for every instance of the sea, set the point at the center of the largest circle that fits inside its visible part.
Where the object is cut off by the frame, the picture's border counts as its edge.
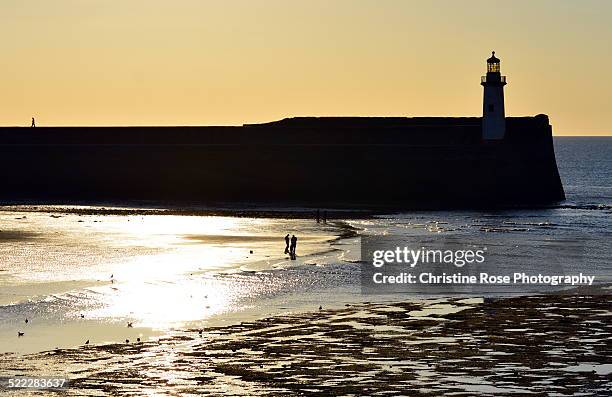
(74, 273)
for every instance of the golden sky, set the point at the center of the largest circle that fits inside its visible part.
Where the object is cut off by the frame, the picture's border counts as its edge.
(200, 62)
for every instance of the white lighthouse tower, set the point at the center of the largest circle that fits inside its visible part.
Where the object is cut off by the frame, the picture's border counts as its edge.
(493, 113)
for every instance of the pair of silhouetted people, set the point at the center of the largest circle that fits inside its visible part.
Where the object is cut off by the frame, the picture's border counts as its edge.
(290, 245)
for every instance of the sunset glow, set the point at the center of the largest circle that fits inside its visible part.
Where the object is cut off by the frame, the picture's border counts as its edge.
(191, 62)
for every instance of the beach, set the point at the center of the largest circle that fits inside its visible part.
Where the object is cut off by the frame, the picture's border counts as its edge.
(540, 345)
(77, 277)
(181, 304)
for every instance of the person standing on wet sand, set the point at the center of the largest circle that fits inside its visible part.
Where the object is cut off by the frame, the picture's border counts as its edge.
(293, 245)
(287, 243)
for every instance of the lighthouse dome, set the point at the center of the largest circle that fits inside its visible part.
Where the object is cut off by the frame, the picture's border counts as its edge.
(493, 58)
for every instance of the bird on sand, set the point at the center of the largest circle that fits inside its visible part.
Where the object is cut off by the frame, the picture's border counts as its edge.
(26, 320)
(87, 342)
(82, 315)
(320, 307)
(137, 339)
(200, 332)
(127, 341)
(20, 334)
(129, 325)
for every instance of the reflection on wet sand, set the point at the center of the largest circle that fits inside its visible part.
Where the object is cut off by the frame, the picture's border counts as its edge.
(82, 277)
(523, 345)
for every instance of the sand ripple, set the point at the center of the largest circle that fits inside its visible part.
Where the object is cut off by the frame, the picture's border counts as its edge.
(539, 345)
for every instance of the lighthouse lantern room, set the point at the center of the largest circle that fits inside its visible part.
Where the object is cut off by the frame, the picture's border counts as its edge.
(493, 113)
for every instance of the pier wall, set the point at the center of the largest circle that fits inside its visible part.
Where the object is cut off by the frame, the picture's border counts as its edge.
(407, 163)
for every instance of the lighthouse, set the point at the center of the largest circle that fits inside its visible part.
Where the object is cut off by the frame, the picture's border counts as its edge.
(493, 113)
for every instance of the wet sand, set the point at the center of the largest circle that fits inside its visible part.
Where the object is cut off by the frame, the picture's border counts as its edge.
(535, 345)
(270, 338)
(85, 277)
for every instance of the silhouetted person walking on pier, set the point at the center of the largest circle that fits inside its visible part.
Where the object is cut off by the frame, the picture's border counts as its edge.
(33, 122)
(293, 246)
(287, 243)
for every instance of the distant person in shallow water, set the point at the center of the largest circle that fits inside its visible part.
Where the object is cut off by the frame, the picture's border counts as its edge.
(287, 243)
(33, 122)
(293, 245)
